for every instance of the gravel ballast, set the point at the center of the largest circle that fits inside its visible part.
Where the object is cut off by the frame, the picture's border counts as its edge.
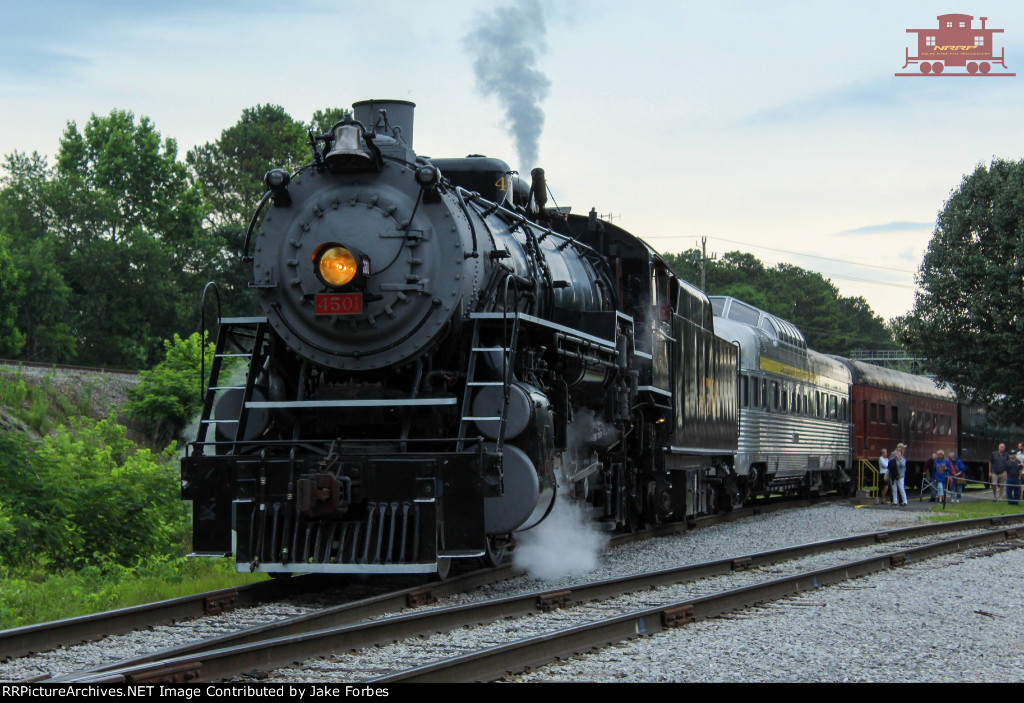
(748, 654)
(954, 618)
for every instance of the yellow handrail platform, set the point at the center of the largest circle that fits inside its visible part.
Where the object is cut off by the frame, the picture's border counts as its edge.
(867, 471)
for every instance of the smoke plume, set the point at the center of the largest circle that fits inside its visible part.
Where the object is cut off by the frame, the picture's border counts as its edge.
(505, 44)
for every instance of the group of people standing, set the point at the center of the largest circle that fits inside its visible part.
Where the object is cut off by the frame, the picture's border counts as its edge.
(940, 471)
(948, 475)
(1004, 470)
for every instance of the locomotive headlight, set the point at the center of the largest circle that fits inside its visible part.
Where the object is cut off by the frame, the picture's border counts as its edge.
(336, 265)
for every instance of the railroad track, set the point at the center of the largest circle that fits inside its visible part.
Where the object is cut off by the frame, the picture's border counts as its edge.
(501, 661)
(310, 636)
(43, 637)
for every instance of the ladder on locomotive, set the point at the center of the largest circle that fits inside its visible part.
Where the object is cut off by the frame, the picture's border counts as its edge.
(246, 337)
(499, 336)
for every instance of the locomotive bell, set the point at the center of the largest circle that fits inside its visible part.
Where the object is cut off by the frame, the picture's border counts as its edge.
(349, 152)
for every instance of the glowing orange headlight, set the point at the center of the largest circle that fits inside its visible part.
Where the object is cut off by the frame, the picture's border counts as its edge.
(337, 266)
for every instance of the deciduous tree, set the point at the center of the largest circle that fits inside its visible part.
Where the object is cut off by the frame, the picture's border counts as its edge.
(42, 309)
(231, 169)
(169, 394)
(968, 314)
(128, 221)
(830, 322)
(11, 294)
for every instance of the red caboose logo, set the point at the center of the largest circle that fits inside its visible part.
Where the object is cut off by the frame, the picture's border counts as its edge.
(956, 45)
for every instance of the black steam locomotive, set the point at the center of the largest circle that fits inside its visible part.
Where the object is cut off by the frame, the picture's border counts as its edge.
(442, 358)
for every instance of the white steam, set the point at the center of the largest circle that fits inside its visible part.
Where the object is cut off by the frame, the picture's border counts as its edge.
(567, 543)
(587, 430)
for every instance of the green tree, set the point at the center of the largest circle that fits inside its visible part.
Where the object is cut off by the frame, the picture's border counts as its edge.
(830, 323)
(969, 308)
(43, 308)
(231, 169)
(11, 294)
(324, 119)
(128, 222)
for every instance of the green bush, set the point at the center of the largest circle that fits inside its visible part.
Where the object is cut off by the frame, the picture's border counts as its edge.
(13, 390)
(168, 395)
(87, 495)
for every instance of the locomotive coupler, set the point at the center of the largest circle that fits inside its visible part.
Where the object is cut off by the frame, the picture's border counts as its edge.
(322, 495)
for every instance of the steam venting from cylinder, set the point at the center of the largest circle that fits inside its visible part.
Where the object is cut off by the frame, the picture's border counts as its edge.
(505, 45)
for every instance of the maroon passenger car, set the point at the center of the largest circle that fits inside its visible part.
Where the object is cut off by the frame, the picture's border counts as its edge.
(890, 407)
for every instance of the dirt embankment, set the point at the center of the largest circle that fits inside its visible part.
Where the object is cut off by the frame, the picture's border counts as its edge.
(93, 392)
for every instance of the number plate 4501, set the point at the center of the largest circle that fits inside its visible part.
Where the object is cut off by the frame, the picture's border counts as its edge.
(339, 303)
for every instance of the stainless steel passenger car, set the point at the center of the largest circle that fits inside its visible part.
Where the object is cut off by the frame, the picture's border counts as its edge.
(794, 405)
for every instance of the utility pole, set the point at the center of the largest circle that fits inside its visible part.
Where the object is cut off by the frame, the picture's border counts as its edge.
(704, 262)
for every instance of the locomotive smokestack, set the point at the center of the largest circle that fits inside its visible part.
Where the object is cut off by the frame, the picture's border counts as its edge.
(399, 115)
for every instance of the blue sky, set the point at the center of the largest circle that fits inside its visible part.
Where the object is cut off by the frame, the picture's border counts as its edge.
(774, 128)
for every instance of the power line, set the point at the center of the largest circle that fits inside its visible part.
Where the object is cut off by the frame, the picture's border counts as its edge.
(868, 280)
(797, 253)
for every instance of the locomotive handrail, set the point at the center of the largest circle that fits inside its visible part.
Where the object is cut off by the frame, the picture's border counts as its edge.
(526, 317)
(316, 445)
(252, 224)
(477, 199)
(865, 467)
(366, 403)
(202, 334)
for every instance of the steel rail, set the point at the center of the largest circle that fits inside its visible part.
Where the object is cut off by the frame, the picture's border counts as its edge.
(291, 640)
(21, 641)
(29, 639)
(40, 637)
(500, 661)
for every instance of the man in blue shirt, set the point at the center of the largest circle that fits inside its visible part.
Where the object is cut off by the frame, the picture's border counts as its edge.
(958, 479)
(1012, 481)
(941, 469)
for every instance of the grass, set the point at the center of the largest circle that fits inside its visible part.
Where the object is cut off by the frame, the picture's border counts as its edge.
(26, 599)
(976, 504)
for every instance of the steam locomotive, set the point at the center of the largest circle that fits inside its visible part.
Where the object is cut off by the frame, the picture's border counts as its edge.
(442, 357)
